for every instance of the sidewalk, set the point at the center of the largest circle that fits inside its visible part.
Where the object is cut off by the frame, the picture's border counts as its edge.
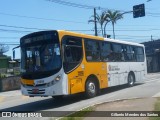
(144, 104)
(11, 95)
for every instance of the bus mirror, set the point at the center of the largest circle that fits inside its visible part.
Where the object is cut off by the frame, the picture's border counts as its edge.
(13, 54)
(14, 51)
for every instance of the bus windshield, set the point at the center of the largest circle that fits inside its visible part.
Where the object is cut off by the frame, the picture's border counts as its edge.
(42, 56)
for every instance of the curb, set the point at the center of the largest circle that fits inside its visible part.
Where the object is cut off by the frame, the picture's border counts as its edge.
(116, 100)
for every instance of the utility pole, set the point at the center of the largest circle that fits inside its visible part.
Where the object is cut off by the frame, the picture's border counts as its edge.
(95, 22)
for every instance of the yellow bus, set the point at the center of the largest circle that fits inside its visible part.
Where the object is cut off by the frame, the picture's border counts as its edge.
(57, 63)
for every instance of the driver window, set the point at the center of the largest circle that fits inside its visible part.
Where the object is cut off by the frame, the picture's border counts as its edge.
(72, 53)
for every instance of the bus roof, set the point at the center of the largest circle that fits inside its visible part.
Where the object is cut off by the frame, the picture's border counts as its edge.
(81, 35)
(123, 42)
(98, 37)
(90, 36)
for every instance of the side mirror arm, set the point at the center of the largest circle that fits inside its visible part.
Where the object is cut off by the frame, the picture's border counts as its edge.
(14, 51)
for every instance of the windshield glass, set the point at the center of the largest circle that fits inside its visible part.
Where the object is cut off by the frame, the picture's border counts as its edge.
(40, 56)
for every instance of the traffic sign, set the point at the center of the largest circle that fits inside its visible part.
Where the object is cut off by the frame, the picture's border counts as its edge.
(138, 11)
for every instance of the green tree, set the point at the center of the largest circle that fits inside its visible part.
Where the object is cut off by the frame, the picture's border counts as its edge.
(113, 17)
(101, 19)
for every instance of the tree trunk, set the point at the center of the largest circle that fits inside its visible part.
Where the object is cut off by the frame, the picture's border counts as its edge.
(105, 30)
(102, 30)
(113, 31)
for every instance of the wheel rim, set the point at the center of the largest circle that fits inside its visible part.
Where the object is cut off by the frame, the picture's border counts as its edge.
(131, 79)
(91, 88)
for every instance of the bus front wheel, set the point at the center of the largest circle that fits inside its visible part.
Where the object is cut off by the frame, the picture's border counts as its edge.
(131, 79)
(91, 88)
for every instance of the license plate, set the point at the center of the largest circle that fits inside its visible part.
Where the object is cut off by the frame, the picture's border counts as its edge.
(35, 90)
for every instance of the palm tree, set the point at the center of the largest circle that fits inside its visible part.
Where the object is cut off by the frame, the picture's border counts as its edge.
(101, 19)
(106, 22)
(113, 16)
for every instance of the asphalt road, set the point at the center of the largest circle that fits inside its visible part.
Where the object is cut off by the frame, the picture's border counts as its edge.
(14, 101)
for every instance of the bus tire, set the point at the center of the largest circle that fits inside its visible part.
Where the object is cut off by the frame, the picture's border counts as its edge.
(91, 88)
(131, 79)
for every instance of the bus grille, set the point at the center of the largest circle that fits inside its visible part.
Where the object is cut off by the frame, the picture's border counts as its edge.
(36, 91)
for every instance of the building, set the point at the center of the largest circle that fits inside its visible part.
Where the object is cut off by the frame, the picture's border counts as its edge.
(4, 61)
(152, 49)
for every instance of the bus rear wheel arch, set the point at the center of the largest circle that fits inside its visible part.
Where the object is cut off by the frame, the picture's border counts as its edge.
(91, 87)
(131, 79)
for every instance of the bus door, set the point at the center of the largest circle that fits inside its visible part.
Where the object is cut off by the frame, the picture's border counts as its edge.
(72, 63)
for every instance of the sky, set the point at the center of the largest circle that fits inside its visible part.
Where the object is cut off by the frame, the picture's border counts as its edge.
(21, 17)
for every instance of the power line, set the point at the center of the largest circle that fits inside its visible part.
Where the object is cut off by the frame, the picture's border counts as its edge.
(71, 4)
(19, 31)
(49, 19)
(141, 30)
(154, 15)
(11, 44)
(9, 37)
(8, 43)
(91, 34)
(132, 36)
(22, 31)
(77, 29)
(22, 27)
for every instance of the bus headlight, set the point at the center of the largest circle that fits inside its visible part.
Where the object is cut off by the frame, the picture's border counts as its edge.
(23, 84)
(53, 81)
(58, 78)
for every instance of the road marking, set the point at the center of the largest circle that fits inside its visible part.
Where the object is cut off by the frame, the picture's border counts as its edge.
(156, 95)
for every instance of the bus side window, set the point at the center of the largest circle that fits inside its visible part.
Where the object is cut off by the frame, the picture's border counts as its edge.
(129, 53)
(117, 49)
(139, 54)
(133, 56)
(92, 50)
(68, 55)
(105, 51)
(124, 53)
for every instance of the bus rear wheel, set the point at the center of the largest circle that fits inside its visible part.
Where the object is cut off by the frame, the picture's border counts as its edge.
(91, 88)
(131, 79)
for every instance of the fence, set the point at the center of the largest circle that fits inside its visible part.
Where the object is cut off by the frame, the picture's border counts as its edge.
(9, 83)
(9, 79)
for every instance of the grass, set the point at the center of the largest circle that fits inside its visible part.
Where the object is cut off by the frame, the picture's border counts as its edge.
(156, 108)
(79, 115)
(157, 105)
